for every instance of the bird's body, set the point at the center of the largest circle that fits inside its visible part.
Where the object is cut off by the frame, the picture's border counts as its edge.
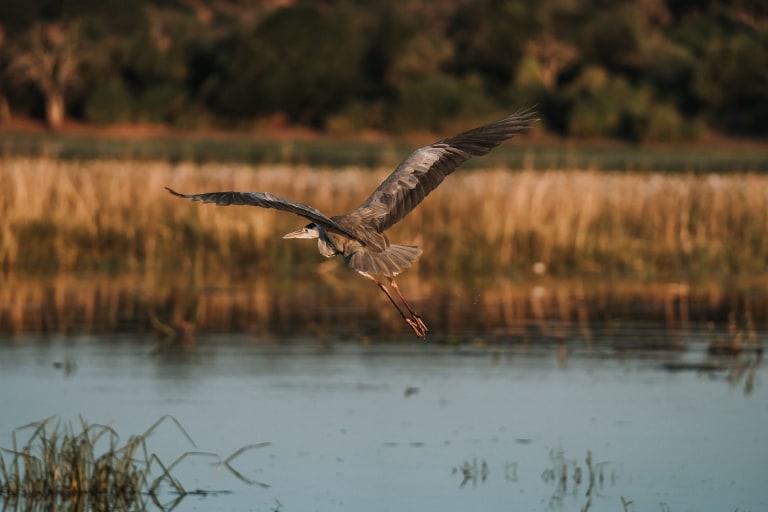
(359, 235)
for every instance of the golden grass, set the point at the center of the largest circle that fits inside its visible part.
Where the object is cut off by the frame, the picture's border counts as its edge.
(116, 215)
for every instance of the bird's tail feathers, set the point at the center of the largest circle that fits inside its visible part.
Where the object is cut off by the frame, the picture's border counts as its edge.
(389, 262)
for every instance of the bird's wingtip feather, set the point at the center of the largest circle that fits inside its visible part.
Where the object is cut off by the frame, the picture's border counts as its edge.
(169, 189)
(527, 114)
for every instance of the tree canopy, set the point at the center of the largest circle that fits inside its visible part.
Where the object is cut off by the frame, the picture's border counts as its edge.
(629, 69)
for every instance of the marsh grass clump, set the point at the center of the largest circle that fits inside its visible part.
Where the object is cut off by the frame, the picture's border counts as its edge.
(61, 464)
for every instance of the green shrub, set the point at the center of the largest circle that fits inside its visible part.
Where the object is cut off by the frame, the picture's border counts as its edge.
(664, 123)
(426, 103)
(109, 102)
(433, 102)
(160, 103)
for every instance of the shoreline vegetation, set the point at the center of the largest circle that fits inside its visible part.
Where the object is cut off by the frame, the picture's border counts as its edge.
(67, 466)
(116, 216)
(372, 150)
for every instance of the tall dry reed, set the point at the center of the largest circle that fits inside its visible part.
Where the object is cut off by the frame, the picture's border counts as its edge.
(116, 215)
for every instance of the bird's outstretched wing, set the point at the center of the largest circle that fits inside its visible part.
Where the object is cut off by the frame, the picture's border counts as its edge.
(425, 169)
(265, 200)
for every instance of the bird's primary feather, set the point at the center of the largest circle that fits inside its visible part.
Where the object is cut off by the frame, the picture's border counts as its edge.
(427, 167)
(265, 200)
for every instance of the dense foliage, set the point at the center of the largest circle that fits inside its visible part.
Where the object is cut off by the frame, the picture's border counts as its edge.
(632, 69)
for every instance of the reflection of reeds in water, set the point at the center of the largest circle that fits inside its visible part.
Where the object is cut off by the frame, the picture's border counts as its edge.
(569, 477)
(116, 216)
(336, 303)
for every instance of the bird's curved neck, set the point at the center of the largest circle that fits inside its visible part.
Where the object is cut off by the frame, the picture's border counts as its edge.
(325, 245)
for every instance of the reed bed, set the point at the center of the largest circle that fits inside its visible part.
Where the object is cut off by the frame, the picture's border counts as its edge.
(116, 216)
(61, 466)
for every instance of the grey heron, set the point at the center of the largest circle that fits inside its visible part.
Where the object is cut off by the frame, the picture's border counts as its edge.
(359, 236)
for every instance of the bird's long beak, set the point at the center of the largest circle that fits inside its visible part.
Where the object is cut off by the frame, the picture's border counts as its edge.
(300, 233)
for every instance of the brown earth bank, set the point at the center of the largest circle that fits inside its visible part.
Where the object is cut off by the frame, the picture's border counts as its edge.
(277, 128)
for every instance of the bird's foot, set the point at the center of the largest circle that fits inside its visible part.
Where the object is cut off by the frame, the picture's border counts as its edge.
(416, 318)
(418, 326)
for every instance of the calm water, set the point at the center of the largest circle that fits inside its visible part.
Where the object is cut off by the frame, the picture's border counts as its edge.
(414, 426)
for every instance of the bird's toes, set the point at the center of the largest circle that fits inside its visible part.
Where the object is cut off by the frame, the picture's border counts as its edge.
(420, 322)
(420, 331)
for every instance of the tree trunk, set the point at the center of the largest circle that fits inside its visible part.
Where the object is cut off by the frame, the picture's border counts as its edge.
(54, 110)
(5, 110)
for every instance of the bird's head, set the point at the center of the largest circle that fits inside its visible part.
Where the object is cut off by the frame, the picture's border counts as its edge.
(308, 231)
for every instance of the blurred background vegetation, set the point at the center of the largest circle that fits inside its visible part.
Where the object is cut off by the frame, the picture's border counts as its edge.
(636, 70)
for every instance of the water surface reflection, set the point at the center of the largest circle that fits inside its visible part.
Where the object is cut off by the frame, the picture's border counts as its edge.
(337, 307)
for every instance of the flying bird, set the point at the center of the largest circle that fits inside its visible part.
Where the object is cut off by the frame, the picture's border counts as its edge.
(359, 236)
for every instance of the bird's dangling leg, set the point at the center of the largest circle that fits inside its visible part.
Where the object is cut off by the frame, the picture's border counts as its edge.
(415, 317)
(417, 325)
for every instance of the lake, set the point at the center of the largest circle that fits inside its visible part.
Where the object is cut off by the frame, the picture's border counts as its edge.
(604, 424)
